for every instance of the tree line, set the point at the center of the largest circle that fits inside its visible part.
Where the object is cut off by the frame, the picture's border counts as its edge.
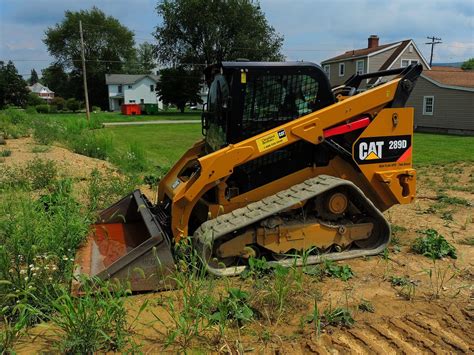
(192, 33)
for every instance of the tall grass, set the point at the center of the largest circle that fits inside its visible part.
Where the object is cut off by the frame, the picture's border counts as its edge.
(95, 321)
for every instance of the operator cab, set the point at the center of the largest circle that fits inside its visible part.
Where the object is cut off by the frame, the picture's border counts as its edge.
(248, 98)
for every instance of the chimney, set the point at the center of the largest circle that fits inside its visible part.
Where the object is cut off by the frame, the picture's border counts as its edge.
(373, 41)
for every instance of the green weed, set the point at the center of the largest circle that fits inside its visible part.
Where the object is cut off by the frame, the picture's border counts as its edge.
(467, 241)
(343, 272)
(103, 189)
(257, 268)
(193, 314)
(445, 199)
(406, 287)
(233, 308)
(366, 306)
(36, 174)
(40, 149)
(433, 245)
(37, 246)
(134, 160)
(338, 317)
(96, 321)
(439, 279)
(5, 153)
(91, 144)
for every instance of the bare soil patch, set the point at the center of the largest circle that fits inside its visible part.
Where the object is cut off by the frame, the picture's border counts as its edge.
(72, 164)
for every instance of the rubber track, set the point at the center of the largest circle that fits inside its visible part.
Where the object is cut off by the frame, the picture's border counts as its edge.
(212, 230)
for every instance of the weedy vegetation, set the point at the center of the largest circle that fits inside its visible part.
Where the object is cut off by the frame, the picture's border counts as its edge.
(405, 287)
(433, 245)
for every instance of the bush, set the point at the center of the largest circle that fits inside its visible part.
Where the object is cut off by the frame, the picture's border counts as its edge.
(433, 245)
(31, 110)
(73, 105)
(53, 109)
(59, 102)
(42, 108)
(34, 100)
(96, 109)
(16, 116)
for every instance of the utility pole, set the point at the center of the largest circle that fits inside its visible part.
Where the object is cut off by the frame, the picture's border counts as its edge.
(86, 95)
(434, 40)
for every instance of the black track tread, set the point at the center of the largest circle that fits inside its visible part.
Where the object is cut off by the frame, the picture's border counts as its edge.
(242, 217)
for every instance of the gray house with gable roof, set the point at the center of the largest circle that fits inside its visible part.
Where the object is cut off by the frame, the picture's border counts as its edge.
(375, 57)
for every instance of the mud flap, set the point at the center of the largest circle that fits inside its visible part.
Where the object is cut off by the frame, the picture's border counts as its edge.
(126, 244)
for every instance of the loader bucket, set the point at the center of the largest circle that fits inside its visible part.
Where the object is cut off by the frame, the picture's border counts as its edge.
(128, 244)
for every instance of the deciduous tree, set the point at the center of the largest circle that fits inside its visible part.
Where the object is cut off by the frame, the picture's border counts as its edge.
(203, 31)
(144, 60)
(468, 64)
(108, 44)
(178, 86)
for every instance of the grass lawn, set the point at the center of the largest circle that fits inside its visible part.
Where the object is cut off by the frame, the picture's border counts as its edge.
(440, 149)
(164, 144)
(118, 117)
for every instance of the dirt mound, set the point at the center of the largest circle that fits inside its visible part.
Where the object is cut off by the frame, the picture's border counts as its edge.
(24, 150)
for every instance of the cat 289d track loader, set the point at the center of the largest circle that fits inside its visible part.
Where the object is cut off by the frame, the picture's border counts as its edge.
(287, 164)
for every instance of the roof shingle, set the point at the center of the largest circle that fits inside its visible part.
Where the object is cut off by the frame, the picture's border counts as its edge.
(359, 52)
(127, 79)
(451, 76)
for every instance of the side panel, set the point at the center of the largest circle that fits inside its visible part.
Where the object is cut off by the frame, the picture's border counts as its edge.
(383, 153)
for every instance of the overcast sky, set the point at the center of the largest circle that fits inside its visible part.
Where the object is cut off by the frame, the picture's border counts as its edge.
(313, 30)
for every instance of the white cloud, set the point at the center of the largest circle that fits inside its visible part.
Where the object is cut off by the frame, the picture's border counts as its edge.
(313, 29)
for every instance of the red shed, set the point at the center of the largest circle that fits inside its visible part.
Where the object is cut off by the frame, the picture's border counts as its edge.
(131, 109)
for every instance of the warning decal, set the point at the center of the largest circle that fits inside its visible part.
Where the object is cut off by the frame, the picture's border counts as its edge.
(371, 150)
(271, 140)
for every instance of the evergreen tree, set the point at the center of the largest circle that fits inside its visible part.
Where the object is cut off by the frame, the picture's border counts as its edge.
(33, 77)
(13, 89)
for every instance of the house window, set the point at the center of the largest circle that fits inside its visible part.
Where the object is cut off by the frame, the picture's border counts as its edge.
(327, 70)
(131, 101)
(119, 89)
(342, 69)
(407, 62)
(428, 105)
(130, 86)
(152, 88)
(360, 67)
(142, 101)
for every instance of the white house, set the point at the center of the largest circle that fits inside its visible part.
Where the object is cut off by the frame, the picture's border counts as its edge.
(42, 91)
(132, 89)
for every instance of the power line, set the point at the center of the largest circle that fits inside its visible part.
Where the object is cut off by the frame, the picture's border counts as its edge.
(434, 40)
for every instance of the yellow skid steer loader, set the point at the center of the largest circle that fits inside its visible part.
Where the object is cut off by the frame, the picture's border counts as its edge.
(287, 164)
